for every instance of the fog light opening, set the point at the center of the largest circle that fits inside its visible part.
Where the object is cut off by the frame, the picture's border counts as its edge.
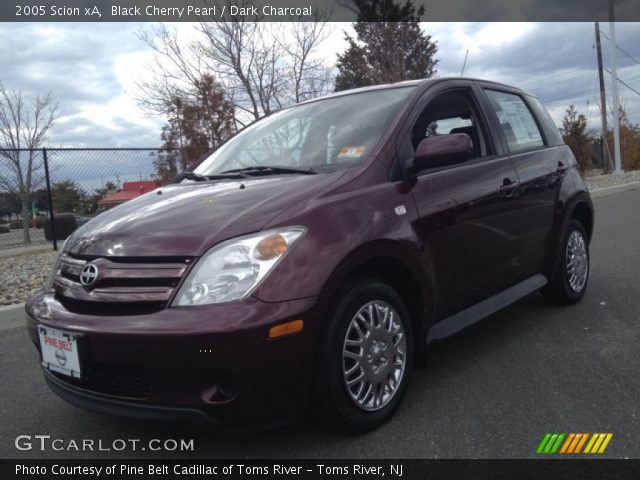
(222, 389)
(217, 394)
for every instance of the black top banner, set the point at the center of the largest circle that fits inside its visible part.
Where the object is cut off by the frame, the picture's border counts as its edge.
(309, 10)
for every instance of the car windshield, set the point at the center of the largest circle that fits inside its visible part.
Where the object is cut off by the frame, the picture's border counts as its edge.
(329, 134)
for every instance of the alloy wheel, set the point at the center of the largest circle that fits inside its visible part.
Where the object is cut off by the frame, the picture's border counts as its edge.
(577, 260)
(374, 355)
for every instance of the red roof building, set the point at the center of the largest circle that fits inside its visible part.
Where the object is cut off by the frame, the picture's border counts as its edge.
(130, 190)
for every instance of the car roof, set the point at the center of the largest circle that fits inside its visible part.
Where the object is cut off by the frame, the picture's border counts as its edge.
(412, 83)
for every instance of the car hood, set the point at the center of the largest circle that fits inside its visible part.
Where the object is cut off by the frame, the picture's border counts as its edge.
(187, 219)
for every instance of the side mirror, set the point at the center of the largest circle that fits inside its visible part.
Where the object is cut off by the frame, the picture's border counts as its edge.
(441, 151)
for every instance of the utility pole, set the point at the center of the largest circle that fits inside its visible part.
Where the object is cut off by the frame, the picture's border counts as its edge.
(606, 156)
(614, 91)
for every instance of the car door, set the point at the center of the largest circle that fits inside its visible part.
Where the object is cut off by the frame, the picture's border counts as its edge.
(468, 220)
(539, 165)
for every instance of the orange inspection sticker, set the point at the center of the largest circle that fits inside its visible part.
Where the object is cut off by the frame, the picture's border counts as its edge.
(351, 152)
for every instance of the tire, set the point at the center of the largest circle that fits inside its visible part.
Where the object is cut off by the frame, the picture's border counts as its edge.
(568, 285)
(382, 358)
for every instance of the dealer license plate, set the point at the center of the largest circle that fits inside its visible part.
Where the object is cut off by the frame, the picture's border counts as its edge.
(59, 351)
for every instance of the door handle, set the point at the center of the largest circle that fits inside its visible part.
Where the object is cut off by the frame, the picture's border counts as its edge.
(561, 166)
(508, 184)
(507, 187)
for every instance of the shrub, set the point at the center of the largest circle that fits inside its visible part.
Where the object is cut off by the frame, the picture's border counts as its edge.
(4, 229)
(65, 225)
(16, 224)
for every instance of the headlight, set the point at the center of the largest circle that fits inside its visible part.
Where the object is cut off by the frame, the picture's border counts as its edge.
(233, 269)
(53, 271)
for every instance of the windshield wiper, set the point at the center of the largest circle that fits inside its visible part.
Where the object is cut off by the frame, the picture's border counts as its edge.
(270, 170)
(191, 176)
(203, 178)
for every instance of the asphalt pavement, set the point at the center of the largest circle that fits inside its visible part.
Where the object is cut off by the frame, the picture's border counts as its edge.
(492, 391)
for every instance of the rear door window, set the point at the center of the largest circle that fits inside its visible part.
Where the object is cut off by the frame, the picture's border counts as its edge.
(516, 120)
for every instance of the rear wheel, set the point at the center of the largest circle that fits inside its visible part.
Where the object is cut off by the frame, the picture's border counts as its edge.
(570, 280)
(365, 358)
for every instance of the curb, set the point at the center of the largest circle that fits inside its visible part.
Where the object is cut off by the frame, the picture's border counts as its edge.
(605, 192)
(5, 308)
(11, 317)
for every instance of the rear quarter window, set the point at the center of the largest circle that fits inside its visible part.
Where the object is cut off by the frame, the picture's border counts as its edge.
(550, 128)
(516, 120)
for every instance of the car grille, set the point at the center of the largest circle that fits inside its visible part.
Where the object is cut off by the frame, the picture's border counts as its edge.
(123, 286)
(112, 380)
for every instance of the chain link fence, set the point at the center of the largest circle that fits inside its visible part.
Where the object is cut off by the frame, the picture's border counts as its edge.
(71, 185)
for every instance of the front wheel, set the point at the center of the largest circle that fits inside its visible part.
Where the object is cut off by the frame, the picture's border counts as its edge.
(365, 358)
(570, 280)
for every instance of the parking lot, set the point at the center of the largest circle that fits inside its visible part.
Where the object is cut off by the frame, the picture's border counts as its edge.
(491, 392)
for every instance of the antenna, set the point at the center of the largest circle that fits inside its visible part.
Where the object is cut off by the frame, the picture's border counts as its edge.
(465, 63)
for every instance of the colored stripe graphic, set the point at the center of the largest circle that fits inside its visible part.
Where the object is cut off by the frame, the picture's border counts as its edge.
(581, 443)
(598, 442)
(592, 441)
(572, 443)
(567, 442)
(605, 443)
(550, 443)
(556, 445)
(577, 437)
(543, 443)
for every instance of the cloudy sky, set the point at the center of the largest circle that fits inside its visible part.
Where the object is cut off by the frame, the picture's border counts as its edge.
(93, 69)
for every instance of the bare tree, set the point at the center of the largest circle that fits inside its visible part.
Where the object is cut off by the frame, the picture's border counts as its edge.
(263, 66)
(24, 124)
(248, 59)
(175, 72)
(576, 136)
(309, 76)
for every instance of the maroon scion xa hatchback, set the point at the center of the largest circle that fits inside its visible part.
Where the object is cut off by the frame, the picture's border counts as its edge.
(307, 263)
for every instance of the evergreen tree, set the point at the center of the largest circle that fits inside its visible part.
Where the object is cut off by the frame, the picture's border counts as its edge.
(390, 46)
(67, 196)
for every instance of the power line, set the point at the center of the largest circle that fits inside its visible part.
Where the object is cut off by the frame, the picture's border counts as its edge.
(625, 83)
(546, 78)
(565, 97)
(621, 49)
(633, 78)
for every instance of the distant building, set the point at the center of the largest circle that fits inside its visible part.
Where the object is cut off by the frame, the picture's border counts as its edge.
(130, 190)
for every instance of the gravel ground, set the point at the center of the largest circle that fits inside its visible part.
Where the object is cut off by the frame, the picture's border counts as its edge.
(598, 182)
(24, 274)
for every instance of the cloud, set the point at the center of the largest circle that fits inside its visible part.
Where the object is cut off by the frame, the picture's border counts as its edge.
(92, 69)
(89, 69)
(555, 61)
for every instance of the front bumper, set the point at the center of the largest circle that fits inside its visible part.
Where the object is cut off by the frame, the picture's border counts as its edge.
(211, 364)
